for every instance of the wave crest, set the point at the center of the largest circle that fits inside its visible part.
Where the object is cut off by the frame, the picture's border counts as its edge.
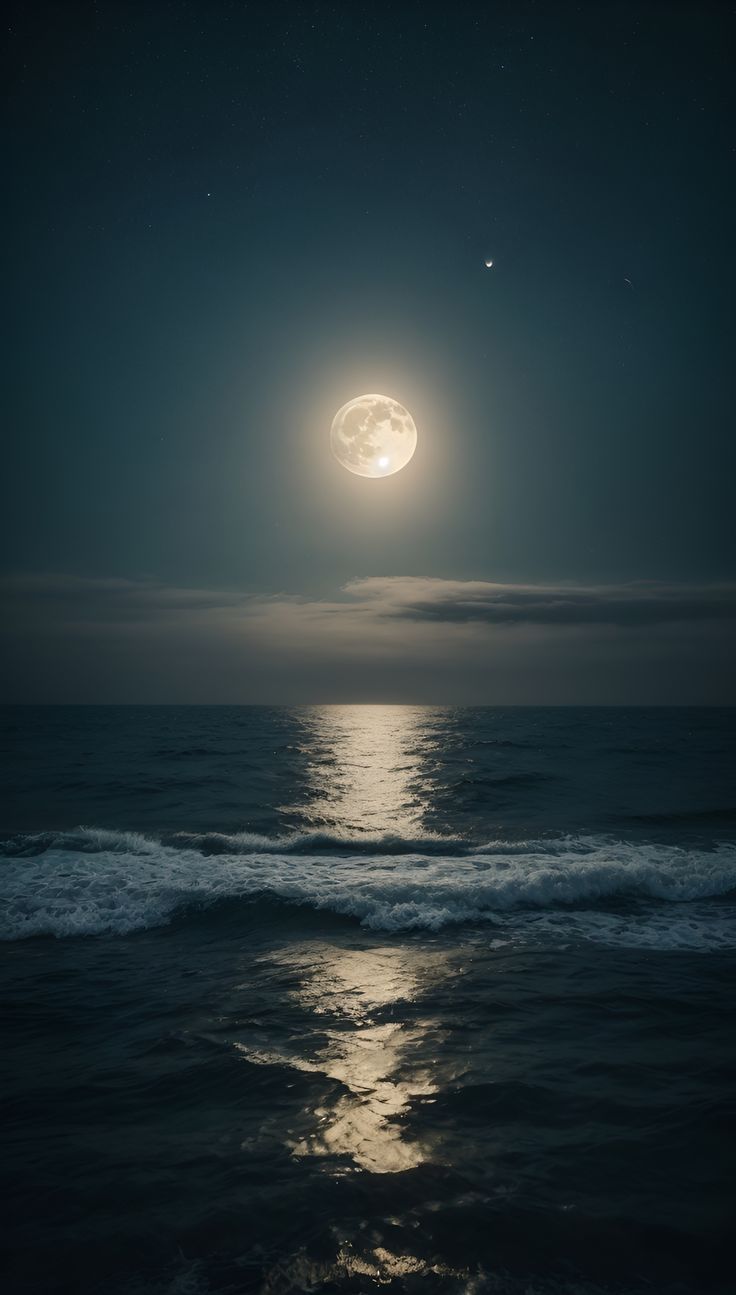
(93, 882)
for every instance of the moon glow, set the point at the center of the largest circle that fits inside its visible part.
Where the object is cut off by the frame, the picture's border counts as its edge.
(373, 436)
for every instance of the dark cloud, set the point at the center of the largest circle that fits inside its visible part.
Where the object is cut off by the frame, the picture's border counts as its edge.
(636, 603)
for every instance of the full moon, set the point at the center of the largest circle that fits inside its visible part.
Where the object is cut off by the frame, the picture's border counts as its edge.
(373, 436)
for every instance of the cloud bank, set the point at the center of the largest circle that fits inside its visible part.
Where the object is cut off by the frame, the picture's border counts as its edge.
(417, 598)
(411, 638)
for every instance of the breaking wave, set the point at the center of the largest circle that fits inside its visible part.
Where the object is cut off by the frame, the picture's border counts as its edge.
(96, 882)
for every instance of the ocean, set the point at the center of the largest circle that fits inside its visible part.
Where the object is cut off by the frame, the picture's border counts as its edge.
(346, 997)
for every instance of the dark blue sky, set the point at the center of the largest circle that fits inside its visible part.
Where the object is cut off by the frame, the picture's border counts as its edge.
(225, 220)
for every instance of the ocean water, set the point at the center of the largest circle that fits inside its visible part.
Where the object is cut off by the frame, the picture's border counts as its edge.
(337, 998)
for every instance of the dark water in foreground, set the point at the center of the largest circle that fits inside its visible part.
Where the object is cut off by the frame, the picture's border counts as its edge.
(337, 998)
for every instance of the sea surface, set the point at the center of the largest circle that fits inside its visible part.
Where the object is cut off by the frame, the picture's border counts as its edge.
(340, 998)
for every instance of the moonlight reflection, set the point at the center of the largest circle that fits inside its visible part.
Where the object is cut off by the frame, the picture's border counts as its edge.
(368, 772)
(380, 1064)
(368, 768)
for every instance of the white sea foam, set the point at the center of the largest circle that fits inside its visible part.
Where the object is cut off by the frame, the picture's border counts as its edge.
(93, 882)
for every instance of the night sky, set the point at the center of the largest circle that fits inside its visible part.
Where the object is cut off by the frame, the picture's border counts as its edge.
(224, 220)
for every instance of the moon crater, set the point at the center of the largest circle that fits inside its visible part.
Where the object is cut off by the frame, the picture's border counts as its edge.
(373, 436)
